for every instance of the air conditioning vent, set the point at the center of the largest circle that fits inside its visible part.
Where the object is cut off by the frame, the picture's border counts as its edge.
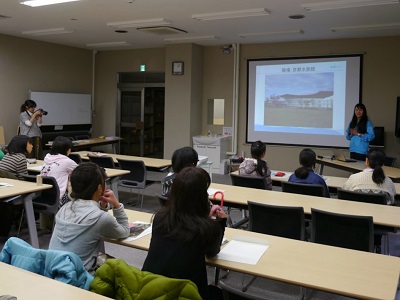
(162, 30)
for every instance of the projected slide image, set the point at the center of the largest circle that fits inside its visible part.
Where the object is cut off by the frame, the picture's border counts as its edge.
(300, 100)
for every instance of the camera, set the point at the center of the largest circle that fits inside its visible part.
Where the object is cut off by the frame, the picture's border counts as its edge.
(43, 111)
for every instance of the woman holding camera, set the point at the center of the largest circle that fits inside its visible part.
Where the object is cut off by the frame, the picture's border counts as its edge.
(29, 125)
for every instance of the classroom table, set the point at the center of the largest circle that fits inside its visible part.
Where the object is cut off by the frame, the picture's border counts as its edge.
(334, 182)
(354, 167)
(87, 143)
(235, 196)
(28, 190)
(342, 271)
(26, 285)
(113, 174)
(150, 163)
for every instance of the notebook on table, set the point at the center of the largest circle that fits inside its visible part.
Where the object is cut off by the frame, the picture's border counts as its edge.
(339, 155)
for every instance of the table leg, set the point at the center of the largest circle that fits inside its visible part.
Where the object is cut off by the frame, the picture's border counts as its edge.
(30, 217)
(114, 186)
(321, 168)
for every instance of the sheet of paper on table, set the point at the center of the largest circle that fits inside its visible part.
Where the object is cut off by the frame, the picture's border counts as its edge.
(244, 250)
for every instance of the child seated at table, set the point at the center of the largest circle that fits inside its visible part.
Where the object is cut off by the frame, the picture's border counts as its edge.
(372, 178)
(13, 163)
(305, 174)
(256, 166)
(82, 223)
(58, 165)
(185, 231)
(15, 160)
(182, 157)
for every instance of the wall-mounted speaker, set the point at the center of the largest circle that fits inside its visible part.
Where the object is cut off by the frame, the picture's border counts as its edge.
(397, 129)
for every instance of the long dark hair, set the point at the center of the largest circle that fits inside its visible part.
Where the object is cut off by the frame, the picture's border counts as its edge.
(184, 157)
(376, 159)
(27, 104)
(186, 216)
(18, 144)
(362, 124)
(85, 179)
(307, 159)
(258, 149)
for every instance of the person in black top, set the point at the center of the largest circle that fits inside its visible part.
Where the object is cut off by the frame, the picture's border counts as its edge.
(182, 157)
(185, 231)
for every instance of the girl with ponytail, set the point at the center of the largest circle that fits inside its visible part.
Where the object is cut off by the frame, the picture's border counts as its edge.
(256, 166)
(372, 179)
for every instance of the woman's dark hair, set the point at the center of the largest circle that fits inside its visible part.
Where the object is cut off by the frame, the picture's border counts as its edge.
(376, 159)
(307, 159)
(187, 213)
(27, 104)
(61, 145)
(184, 157)
(85, 179)
(18, 144)
(362, 124)
(257, 151)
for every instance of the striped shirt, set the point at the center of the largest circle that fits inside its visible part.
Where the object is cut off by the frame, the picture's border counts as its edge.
(14, 163)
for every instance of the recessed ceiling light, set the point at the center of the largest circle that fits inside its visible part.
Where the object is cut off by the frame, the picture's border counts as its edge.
(121, 31)
(231, 14)
(340, 4)
(47, 31)
(139, 23)
(35, 3)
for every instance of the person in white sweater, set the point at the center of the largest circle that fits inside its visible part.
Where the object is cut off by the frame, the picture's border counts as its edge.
(372, 179)
(57, 164)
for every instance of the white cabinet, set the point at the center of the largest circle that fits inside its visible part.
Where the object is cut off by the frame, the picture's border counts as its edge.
(214, 148)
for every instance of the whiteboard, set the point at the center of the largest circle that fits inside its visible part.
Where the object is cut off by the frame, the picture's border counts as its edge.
(64, 108)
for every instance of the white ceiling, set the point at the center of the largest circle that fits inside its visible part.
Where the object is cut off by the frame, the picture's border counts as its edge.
(88, 18)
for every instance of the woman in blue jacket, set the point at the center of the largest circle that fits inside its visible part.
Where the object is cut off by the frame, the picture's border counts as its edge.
(360, 132)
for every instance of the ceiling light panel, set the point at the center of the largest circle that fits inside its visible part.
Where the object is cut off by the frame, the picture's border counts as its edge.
(191, 39)
(232, 14)
(387, 26)
(36, 3)
(51, 31)
(108, 44)
(139, 23)
(342, 4)
(268, 33)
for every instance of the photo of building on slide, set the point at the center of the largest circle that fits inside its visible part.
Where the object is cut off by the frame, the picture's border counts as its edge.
(299, 100)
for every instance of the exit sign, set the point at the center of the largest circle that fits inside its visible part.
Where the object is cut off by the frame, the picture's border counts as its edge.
(142, 68)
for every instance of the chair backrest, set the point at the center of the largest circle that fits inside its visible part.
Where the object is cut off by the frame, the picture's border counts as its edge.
(303, 188)
(254, 182)
(82, 137)
(375, 198)
(389, 161)
(163, 200)
(75, 157)
(5, 174)
(49, 200)
(2, 138)
(283, 221)
(103, 161)
(138, 172)
(339, 230)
